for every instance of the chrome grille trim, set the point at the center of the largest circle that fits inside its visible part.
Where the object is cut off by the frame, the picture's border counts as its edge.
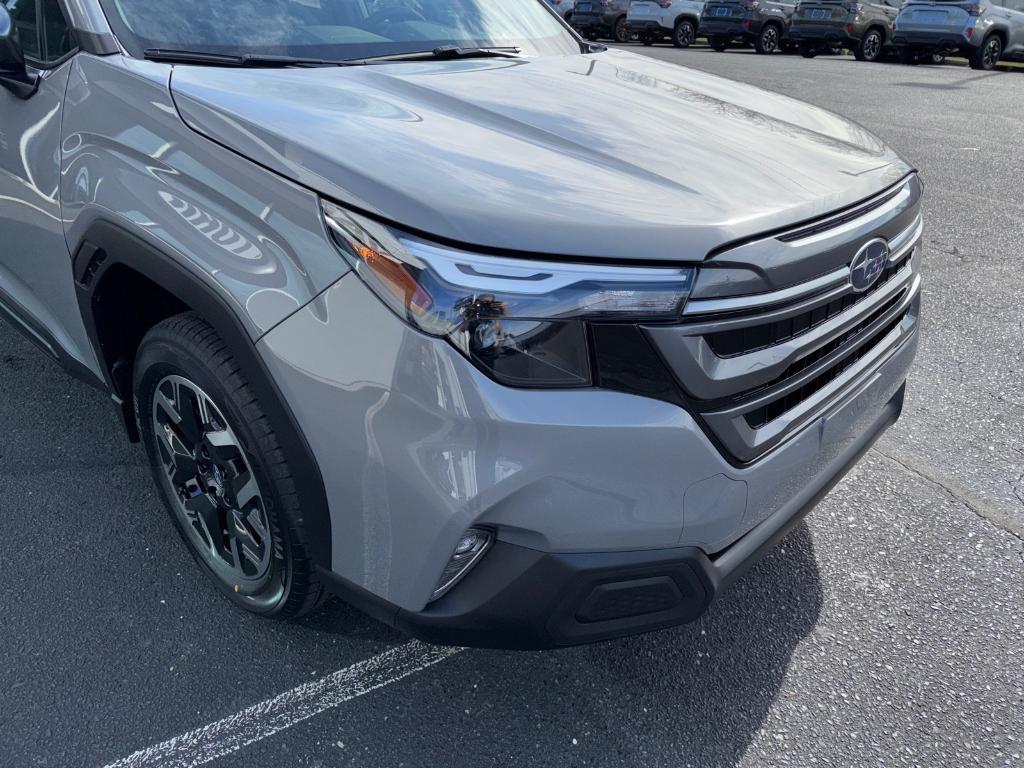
(841, 277)
(899, 247)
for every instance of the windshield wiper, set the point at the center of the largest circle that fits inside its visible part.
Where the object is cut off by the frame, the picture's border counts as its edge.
(443, 53)
(228, 60)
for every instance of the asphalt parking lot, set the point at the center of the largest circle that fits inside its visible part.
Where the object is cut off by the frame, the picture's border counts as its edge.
(888, 630)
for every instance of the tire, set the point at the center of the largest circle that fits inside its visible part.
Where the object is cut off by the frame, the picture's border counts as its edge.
(808, 51)
(908, 57)
(227, 485)
(936, 59)
(987, 55)
(718, 43)
(769, 40)
(591, 36)
(870, 46)
(684, 34)
(647, 39)
(620, 32)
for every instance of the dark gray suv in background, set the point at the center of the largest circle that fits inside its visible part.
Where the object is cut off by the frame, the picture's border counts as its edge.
(863, 26)
(761, 23)
(382, 291)
(602, 19)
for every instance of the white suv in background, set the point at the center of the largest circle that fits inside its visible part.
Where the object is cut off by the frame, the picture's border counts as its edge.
(654, 20)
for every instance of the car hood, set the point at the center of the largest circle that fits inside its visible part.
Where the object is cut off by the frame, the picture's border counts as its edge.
(609, 154)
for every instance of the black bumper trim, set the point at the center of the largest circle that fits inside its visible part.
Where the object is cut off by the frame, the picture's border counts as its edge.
(520, 598)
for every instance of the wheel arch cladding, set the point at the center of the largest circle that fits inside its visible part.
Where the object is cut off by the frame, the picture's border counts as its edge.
(125, 285)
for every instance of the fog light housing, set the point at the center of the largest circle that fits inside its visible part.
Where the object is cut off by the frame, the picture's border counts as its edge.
(471, 547)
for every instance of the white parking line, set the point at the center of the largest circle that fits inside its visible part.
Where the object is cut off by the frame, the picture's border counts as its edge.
(258, 722)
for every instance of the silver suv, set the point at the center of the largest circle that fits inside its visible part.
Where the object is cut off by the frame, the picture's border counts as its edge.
(654, 20)
(984, 31)
(382, 293)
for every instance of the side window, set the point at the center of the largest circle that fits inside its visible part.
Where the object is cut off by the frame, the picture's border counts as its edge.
(25, 14)
(43, 31)
(58, 39)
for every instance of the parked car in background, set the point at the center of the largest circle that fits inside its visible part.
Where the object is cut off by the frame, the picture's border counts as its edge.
(655, 20)
(761, 23)
(563, 8)
(863, 26)
(983, 31)
(601, 18)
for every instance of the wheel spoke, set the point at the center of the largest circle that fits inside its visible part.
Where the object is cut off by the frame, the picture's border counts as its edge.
(202, 511)
(190, 421)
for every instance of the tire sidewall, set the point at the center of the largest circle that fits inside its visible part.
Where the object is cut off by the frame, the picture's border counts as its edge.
(162, 357)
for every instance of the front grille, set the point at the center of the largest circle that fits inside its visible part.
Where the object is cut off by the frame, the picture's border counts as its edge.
(773, 410)
(757, 367)
(740, 341)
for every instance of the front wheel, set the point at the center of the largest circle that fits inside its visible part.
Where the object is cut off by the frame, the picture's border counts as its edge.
(987, 56)
(684, 34)
(718, 43)
(768, 41)
(223, 476)
(808, 51)
(870, 46)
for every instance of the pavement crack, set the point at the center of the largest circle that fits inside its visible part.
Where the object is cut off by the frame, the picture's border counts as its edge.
(980, 508)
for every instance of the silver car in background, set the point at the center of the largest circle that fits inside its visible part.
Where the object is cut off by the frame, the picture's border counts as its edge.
(655, 20)
(985, 31)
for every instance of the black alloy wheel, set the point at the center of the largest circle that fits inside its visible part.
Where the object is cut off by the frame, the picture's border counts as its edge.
(769, 40)
(225, 480)
(870, 46)
(988, 55)
(684, 34)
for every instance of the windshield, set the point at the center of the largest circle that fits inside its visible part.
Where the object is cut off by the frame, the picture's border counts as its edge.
(336, 29)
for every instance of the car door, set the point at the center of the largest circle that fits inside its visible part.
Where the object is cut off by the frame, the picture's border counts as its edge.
(36, 284)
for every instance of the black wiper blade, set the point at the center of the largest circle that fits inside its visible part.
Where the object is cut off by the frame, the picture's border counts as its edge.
(228, 60)
(444, 53)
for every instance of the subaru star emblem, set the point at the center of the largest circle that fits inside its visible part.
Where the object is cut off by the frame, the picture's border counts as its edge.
(868, 264)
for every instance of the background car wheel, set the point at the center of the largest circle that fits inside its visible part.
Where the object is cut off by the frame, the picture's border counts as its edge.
(225, 481)
(647, 40)
(718, 43)
(936, 59)
(684, 34)
(768, 41)
(621, 33)
(907, 56)
(987, 56)
(591, 36)
(808, 51)
(870, 46)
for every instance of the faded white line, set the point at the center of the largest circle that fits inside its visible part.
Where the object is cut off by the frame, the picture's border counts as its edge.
(272, 716)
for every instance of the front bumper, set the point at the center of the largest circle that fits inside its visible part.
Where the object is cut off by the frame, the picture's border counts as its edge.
(521, 598)
(415, 445)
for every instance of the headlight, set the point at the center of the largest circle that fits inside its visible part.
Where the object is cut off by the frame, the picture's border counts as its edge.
(524, 322)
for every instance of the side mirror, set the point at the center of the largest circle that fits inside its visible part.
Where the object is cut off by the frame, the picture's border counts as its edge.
(14, 75)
